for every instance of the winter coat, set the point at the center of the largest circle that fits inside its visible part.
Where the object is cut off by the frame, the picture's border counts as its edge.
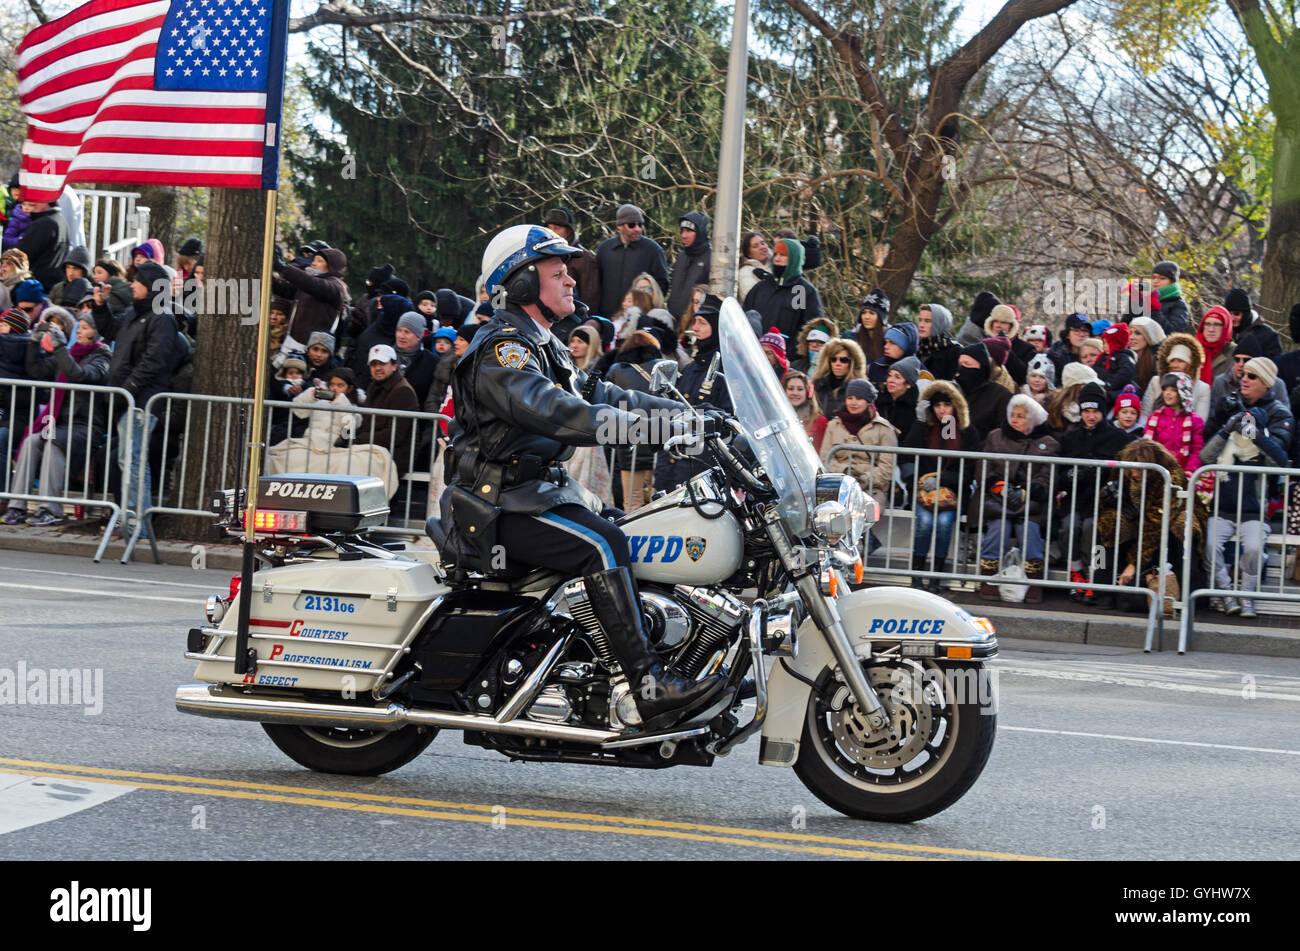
(1038, 443)
(1061, 356)
(805, 360)
(92, 369)
(144, 348)
(669, 472)
(620, 264)
(45, 242)
(1172, 315)
(320, 302)
(392, 393)
(874, 471)
(927, 433)
(1274, 441)
(939, 355)
(748, 275)
(437, 394)
(1225, 399)
(420, 372)
(1116, 371)
(899, 413)
(988, 407)
(383, 329)
(584, 269)
(325, 429)
(830, 389)
(1142, 513)
(119, 295)
(691, 266)
(15, 402)
(15, 226)
(632, 373)
(1257, 332)
(787, 302)
(1181, 432)
(1022, 351)
(1200, 391)
(1103, 442)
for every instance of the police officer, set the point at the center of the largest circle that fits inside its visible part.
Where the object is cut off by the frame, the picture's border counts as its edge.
(519, 413)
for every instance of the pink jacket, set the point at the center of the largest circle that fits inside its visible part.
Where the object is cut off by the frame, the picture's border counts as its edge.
(1183, 434)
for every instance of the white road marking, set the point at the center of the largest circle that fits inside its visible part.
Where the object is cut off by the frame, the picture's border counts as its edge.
(31, 800)
(192, 601)
(1078, 675)
(1150, 739)
(64, 575)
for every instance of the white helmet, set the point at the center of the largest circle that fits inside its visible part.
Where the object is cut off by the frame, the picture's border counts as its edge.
(510, 258)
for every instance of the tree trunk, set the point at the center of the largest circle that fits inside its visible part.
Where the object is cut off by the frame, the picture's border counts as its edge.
(1280, 285)
(161, 200)
(227, 343)
(917, 227)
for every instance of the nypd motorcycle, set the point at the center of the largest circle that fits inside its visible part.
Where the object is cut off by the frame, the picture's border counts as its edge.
(356, 654)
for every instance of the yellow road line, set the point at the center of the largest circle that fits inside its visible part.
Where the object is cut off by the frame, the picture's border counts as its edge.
(523, 811)
(506, 820)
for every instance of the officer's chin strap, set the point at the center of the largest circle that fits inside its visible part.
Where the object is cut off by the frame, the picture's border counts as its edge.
(548, 315)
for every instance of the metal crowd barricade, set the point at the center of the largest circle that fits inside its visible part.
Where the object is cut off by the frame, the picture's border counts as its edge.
(220, 424)
(1267, 480)
(1058, 475)
(24, 402)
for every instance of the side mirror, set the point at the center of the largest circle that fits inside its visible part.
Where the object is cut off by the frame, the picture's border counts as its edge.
(663, 377)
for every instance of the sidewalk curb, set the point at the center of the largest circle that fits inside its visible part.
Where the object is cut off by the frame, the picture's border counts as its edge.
(53, 542)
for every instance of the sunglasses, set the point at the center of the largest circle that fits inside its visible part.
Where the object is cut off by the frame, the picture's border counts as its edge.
(1241, 359)
(840, 360)
(29, 309)
(635, 224)
(1250, 375)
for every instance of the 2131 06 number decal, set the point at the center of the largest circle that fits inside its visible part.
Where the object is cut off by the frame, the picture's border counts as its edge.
(324, 602)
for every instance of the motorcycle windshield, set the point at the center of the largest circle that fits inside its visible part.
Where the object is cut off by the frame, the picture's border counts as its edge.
(775, 433)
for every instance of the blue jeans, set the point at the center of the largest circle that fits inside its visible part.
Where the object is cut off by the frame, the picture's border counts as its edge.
(140, 426)
(925, 522)
(1001, 535)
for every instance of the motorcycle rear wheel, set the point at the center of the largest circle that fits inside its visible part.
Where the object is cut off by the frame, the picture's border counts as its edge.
(943, 737)
(348, 751)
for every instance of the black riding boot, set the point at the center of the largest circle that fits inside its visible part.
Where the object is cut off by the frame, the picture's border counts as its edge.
(663, 696)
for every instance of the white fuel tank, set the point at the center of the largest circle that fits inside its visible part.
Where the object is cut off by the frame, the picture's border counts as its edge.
(672, 543)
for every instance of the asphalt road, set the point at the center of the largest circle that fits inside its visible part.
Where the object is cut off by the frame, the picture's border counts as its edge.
(1101, 754)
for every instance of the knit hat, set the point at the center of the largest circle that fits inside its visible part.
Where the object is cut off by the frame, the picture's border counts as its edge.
(1076, 373)
(445, 333)
(467, 331)
(395, 285)
(1127, 399)
(629, 215)
(345, 374)
(1249, 346)
(191, 248)
(940, 319)
(979, 353)
(16, 320)
(145, 249)
(1093, 396)
(322, 338)
(861, 389)
(1036, 413)
(1264, 368)
(1002, 314)
(149, 274)
(1166, 269)
(1182, 383)
(29, 291)
(1078, 321)
(383, 353)
(379, 276)
(1042, 365)
(281, 304)
(1116, 337)
(1180, 352)
(818, 336)
(909, 368)
(905, 336)
(1150, 329)
(984, 303)
(293, 362)
(999, 348)
(395, 304)
(426, 295)
(1100, 326)
(878, 301)
(1237, 301)
(413, 321)
(1094, 343)
(774, 340)
(1035, 332)
(89, 321)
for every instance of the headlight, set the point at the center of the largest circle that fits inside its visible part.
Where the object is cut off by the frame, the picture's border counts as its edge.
(842, 511)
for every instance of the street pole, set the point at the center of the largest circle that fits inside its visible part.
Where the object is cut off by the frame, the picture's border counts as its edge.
(731, 161)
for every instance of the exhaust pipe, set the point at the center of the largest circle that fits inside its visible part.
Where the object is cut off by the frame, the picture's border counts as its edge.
(214, 700)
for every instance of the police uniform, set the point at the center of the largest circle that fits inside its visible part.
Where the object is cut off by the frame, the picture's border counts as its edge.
(519, 415)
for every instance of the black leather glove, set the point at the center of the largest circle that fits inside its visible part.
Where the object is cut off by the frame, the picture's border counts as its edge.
(1109, 494)
(1015, 498)
(717, 423)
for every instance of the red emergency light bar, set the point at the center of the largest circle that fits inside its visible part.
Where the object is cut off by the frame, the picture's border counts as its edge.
(280, 522)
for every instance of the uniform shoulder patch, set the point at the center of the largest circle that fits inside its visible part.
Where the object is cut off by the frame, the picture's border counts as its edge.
(511, 355)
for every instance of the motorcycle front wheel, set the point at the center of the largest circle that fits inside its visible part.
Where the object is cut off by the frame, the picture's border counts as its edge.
(942, 721)
(348, 751)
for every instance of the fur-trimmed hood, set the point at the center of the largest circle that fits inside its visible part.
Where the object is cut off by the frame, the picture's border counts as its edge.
(1002, 313)
(1188, 341)
(824, 323)
(858, 360)
(960, 408)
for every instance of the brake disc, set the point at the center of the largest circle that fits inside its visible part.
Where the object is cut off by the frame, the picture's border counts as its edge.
(911, 721)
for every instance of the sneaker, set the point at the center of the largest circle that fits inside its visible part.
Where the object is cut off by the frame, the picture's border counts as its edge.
(14, 516)
(45, 517)
(1216, 604)
(1231, 606)
(1248, 608)
(1079, 594)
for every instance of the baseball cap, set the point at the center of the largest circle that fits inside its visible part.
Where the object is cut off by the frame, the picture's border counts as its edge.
(381, 352)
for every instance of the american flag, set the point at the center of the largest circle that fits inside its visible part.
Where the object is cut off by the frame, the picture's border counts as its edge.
(160, 92)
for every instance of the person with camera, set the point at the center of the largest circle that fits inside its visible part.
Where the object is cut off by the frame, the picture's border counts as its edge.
(59, 440)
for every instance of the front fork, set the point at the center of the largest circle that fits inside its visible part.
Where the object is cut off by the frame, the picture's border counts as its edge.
(827, 619)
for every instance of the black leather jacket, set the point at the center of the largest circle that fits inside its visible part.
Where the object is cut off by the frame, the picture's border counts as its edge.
(519, 409)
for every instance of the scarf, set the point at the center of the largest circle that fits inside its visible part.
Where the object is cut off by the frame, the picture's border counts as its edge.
(934, 437)
(78, 352)
(932, 345)
(1183, 451)
(853, 422)
(1169, 291)
(1211, 351)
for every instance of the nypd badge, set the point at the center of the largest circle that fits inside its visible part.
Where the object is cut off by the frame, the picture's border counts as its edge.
(695, 546)
(511, 355)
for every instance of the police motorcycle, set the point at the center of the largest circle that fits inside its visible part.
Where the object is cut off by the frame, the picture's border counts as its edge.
(358, 654)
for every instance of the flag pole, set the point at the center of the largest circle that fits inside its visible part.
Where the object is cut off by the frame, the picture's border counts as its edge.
(242, 660)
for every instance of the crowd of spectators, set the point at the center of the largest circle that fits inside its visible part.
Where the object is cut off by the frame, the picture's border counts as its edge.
(1150, 384)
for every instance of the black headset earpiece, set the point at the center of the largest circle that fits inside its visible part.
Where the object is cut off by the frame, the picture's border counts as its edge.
(523, 287)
